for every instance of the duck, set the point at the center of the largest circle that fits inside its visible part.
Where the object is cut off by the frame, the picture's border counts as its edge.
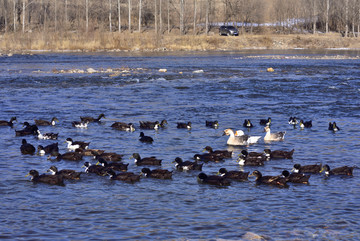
(92, 119)
(183, 125)
(47, 136)
(152, 125)
(333, 127)
(315, 168)
(110, 156)
(27, 148)
(181, 165)
(245, 160)
(116, 166)
(247, 124)
(128, 177)
(28, 130)
(53, 121)
(48, 179)
(212, 124)
(80, 124)
(265, 122)
(52, 149)
(146, 139)
(220, 153)
(295, 177)
(293, 121)
(65, 173)
(279, 154)
(344, 170)
(156, 173)
(8, 123)
(89, 152)
(234, 175)
(270, 180)
(122, 126)
(233, 140)
(213, 180)
(68, 156)
(208, 157)
(73, 145)
(278, 136)
(146, 160)
(97, 169)
(251, 140)
(254, 154)
(305, 124)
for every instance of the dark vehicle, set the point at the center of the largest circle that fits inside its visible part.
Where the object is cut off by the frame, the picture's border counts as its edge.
(228, 31)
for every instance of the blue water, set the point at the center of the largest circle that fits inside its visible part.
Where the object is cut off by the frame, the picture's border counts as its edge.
(233, 87)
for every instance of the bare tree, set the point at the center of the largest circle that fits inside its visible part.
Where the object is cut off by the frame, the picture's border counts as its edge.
(140, 9)
(195, 17)
(130, 15)
(182, 17)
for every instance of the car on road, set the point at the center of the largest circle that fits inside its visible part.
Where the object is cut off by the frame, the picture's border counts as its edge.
(228, 31)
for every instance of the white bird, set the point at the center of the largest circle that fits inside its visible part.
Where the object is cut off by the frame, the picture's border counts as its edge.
(278, 136)
(237, 140)
(251, 140)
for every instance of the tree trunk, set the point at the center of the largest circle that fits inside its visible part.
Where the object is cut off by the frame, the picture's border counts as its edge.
(140, 9)
(160, 17)
(207, 17)
(119, 16)
(182, 17)
(314, 16)
(156, 17)
(55, 17)
(346, 18)
(23, 15)
(15, 15)
(195, 17)
(66, 14)
(87, 15)
(168, 17)
(110, 9)
(130, 15)
(327, 15)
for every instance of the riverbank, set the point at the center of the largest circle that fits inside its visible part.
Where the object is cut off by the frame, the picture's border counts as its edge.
(149, 42)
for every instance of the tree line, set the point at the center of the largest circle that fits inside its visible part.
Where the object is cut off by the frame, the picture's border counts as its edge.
(181, 16)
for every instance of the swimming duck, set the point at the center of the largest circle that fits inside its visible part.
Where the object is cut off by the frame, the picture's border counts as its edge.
(52, 149)
(235, 175)
(121, 126)
(265, 122)
(345, 170)
(91, 119)
(146, 139)
(47, 136)
(183, 125)
(295, 177)
(43, 178)
(146, 160)
(236, 140)
(152, 125)
(246, 160)
(110, 156)
(208, 157)
(181, 165)
(72, 145)
(293, 121)
(97, 169)
(65, 173)
(89, 152)
(213, 179)
(212, 124)
(251, 140)
(156, 173)
(333, 127)
(116, 166)
(27, 148)
(80, 124)
(271, 180)
(128, 177)
(28, 130)
(247, 123)
(305, 124)
(279, 154)
(8, 123)
(316, 168)
(254, 154)
(69, 156)
(220, 153)
(278, 136)
(46, 123)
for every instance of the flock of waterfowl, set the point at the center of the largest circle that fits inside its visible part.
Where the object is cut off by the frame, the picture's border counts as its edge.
(110, 164)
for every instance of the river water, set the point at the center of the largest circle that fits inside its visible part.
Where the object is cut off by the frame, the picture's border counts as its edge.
(322, 86)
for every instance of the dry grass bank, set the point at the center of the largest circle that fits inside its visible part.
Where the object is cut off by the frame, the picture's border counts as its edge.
(148, 41)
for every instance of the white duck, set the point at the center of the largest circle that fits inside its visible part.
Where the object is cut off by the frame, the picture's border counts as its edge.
(278, 136)
(251, 140)
(236, 140)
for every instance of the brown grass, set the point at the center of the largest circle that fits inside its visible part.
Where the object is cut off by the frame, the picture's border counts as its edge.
(149, 41)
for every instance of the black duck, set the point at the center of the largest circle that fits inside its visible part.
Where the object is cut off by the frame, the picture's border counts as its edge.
(121, 126)
(65, 173)
(270, 180)
(92, 119)
(156, 173)
(146, 139)
(52, 122)
(128, 177)
(181, 165)
(27, 148)
(8, 123)
(235, 175)
(213, 179)
(296, 177)
(43, 178)
(183, 125)
(220, 153)
(279, 154)
(212, 124)
(146, 160)
(344, 170)
(315, 168)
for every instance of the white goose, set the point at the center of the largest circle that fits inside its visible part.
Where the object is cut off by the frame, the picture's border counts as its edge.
(236, 140)
(278, 136)
(251, 140)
